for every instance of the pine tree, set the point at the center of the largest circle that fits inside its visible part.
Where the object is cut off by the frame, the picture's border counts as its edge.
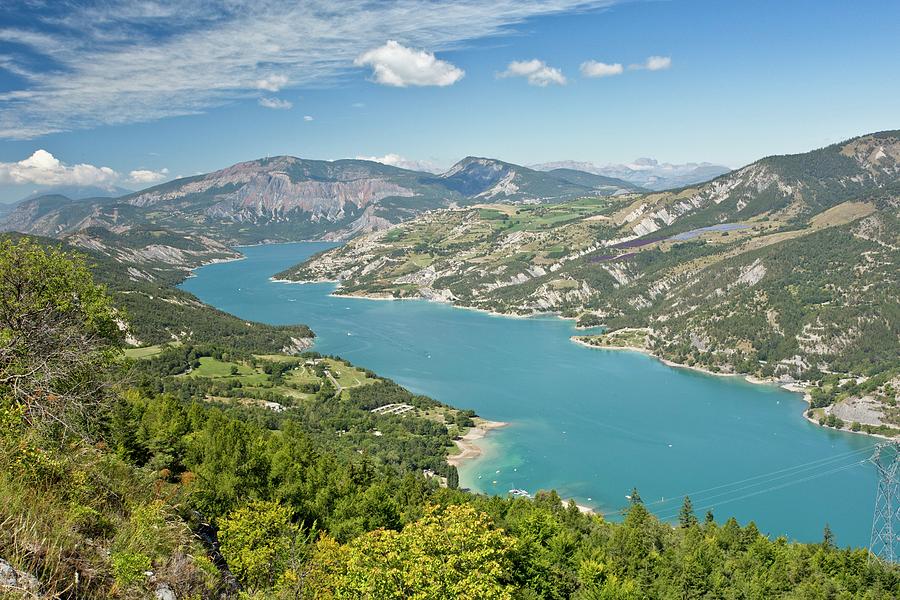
(453, 479)
(827, 537)
(687, 518)
(710, 518)
(635, 497)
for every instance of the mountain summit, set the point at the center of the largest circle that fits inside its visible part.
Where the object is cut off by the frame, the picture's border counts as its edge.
(287, 198)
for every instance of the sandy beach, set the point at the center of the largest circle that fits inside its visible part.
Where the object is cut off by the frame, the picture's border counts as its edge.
(468, 444)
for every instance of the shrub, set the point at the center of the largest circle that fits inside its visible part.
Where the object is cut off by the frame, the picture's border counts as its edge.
(129, 567)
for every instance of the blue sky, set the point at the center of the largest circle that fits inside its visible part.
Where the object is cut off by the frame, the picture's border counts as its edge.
(153, 90)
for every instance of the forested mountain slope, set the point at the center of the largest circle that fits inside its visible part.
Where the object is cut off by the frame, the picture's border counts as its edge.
(140, 269)
(204, 471)
(786, 268)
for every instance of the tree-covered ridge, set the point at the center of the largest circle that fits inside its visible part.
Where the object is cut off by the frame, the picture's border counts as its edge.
(164, 492)
(150, 310)
(795, 290)
(790, 188)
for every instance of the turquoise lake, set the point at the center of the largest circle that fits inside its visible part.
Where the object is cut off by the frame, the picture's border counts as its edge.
(591, 424)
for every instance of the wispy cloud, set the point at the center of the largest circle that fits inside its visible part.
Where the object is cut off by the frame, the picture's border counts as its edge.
(593, 68)
(276, 103)
(396, 65)
(131, 61)
(308, 118)
(654, 63)
(42, 168)
(272, 83)
(537, 72)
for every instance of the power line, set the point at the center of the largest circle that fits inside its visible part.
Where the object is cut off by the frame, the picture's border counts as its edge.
(771, 488)
(764, 477)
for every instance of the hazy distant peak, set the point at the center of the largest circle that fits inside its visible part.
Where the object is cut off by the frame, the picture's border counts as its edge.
(646, 172)
(78, 192)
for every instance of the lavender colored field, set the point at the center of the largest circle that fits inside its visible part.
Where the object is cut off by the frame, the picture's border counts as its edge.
(611, 257)
(689, 235)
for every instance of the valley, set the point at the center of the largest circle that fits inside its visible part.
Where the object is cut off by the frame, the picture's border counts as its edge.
(589, 424)
(457, 300)
(784, 270)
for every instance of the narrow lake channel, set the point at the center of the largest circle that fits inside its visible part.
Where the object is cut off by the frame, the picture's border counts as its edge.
(591, 424)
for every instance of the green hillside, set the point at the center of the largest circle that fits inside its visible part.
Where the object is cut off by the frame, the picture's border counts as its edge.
(141, 267)
(206, 471)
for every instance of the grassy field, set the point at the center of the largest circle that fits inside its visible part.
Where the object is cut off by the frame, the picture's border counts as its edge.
(145, 352)
(294, 384)
(621, 338)
(148, 351)
(346, 375)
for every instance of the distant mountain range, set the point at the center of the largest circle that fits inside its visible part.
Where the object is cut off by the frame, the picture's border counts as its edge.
(287, 198)
(79, 192)
(645, 172)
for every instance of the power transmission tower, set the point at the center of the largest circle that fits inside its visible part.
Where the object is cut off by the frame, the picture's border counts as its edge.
(885, 544)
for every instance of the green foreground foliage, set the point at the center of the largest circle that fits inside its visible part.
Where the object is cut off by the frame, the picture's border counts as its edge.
(164, 489)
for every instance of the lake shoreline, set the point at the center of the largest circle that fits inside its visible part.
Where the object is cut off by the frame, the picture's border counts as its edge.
(469, 448)
(794, 387)
(390, 298)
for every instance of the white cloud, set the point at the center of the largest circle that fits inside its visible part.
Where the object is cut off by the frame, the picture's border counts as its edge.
(272, 83)
(658, 63)
(44, 169)
(654, 63)
(395, 160)
(146, 176)
(276, 103)
(308, 118)
(536, 71)
(113, 64)
(593, 68)
(396, 65)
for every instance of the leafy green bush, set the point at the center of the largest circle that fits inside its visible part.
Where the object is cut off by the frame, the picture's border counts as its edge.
(257, 541)
(129, 567)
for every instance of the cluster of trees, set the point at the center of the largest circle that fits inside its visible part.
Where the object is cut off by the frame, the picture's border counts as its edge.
(156, 312)
(811, 288)
(132, 491)
(343, 424)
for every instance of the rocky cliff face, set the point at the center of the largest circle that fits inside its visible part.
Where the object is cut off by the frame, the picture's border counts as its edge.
(273, 188)
(281, 198)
